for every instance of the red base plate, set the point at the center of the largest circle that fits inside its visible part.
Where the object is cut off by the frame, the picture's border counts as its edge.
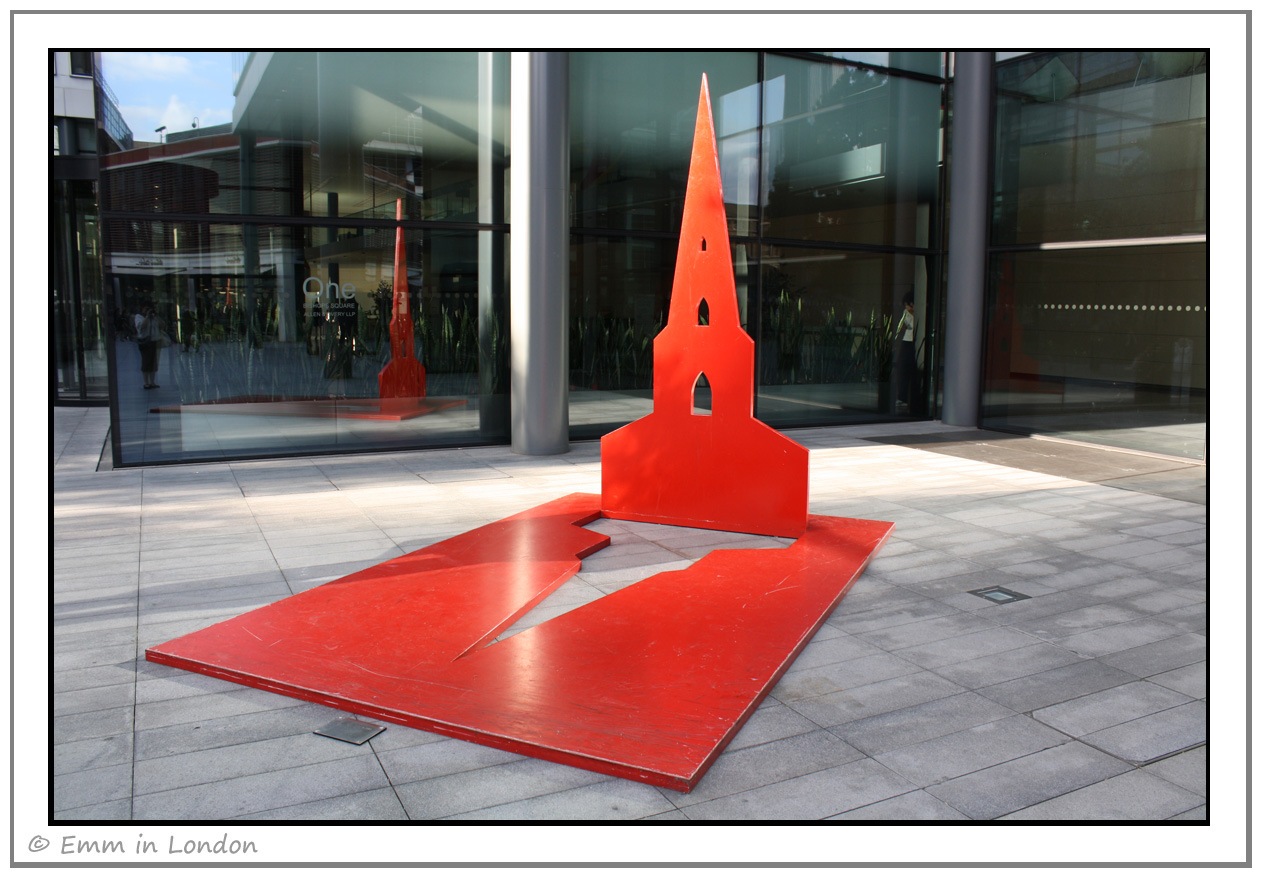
(649, 683)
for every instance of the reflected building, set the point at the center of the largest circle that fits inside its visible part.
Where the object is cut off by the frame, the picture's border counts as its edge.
(266, 245)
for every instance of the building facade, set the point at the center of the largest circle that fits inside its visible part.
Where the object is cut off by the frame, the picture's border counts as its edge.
(542, 195)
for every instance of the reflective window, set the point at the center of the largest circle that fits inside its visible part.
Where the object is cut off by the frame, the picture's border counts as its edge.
(930, 63)
(632, 117)
(1100, 145)
(842, 334)
(1088, 337)
(850, 155)
(619, 298)
(278, 335)
(817, 152)
(338, 134)
(80, 363)
(280, 330)
(1105, 345)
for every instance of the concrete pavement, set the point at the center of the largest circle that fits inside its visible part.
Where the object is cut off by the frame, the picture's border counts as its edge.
(1082, 698)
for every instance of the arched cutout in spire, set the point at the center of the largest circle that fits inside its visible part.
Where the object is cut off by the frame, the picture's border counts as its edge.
(702, 399)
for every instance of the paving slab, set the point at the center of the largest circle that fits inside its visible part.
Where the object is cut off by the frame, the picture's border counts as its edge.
(922, 722)
(1189, 769)
(450, 795)
(609, 800)
(1115, 638)
(1013, 664)
(118, 809)
(815, 796)
(1159, 657)
(767, 763)
(213, 734)
(238, 760)
(798, 684)
(973, 749)
(966, 647)
(1135, 795)
(837, 708)
(92, 786)
(1056, 685)
(372, 806)
(1112, 707)
(1154, 736)
(910, 807)
(1020, 783)
(438, 758)
(233, 798)
(1192, 680)
(92, 753)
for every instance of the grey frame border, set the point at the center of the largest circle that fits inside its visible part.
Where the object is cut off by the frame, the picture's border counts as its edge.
(1248, 468)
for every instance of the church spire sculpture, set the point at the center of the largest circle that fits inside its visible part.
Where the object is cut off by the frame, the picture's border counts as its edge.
(404, 376)
(724, 469)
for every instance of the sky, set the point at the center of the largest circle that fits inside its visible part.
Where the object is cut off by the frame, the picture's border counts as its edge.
(171, 89)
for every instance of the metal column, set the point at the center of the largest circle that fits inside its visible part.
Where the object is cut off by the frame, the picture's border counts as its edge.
(493, 399)
(539, 253)
(966, 265)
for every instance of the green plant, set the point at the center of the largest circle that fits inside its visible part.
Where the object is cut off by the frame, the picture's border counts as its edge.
(878, 347)
(839, 349)
(782, 329)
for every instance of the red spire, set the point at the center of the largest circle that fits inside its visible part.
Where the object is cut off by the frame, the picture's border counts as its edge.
(723, 469)
(403, 376)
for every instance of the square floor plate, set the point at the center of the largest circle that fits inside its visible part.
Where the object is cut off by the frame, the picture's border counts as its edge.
(352, 731)
(648, 683)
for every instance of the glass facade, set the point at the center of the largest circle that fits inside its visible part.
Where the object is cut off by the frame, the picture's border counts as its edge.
(831, 181)
(1098, 292)
(79, 337)
(267, 250)
(265, 246)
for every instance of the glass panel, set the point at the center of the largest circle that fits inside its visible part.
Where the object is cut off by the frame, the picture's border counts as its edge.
(833, 334)
(278, 335)
(79, 322)
(85, 136)
(916, 62)
(1102, 345)
(632, 116)
(1101, 145)
(619, 298)
(336, 134)
(850, 156)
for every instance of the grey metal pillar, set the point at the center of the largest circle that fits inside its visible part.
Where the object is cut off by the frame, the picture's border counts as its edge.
(493, 404)
(967, 235)
(539, 253)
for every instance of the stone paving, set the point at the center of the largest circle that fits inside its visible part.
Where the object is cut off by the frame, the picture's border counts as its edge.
(1084, 699)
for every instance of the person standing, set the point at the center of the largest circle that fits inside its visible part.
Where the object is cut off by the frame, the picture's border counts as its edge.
(148, 332)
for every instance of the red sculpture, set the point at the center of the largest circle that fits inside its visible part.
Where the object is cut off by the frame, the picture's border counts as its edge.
(404, 376)
(649, 683)
(722, 470)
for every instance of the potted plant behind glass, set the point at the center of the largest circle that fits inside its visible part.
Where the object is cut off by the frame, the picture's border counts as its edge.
(879, 355)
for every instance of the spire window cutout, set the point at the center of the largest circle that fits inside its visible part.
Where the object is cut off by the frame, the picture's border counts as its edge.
(703, 245)
(703, 313)
(702, 402)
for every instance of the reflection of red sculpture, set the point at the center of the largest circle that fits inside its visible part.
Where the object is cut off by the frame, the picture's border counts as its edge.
(403, 376)
(723, 470)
